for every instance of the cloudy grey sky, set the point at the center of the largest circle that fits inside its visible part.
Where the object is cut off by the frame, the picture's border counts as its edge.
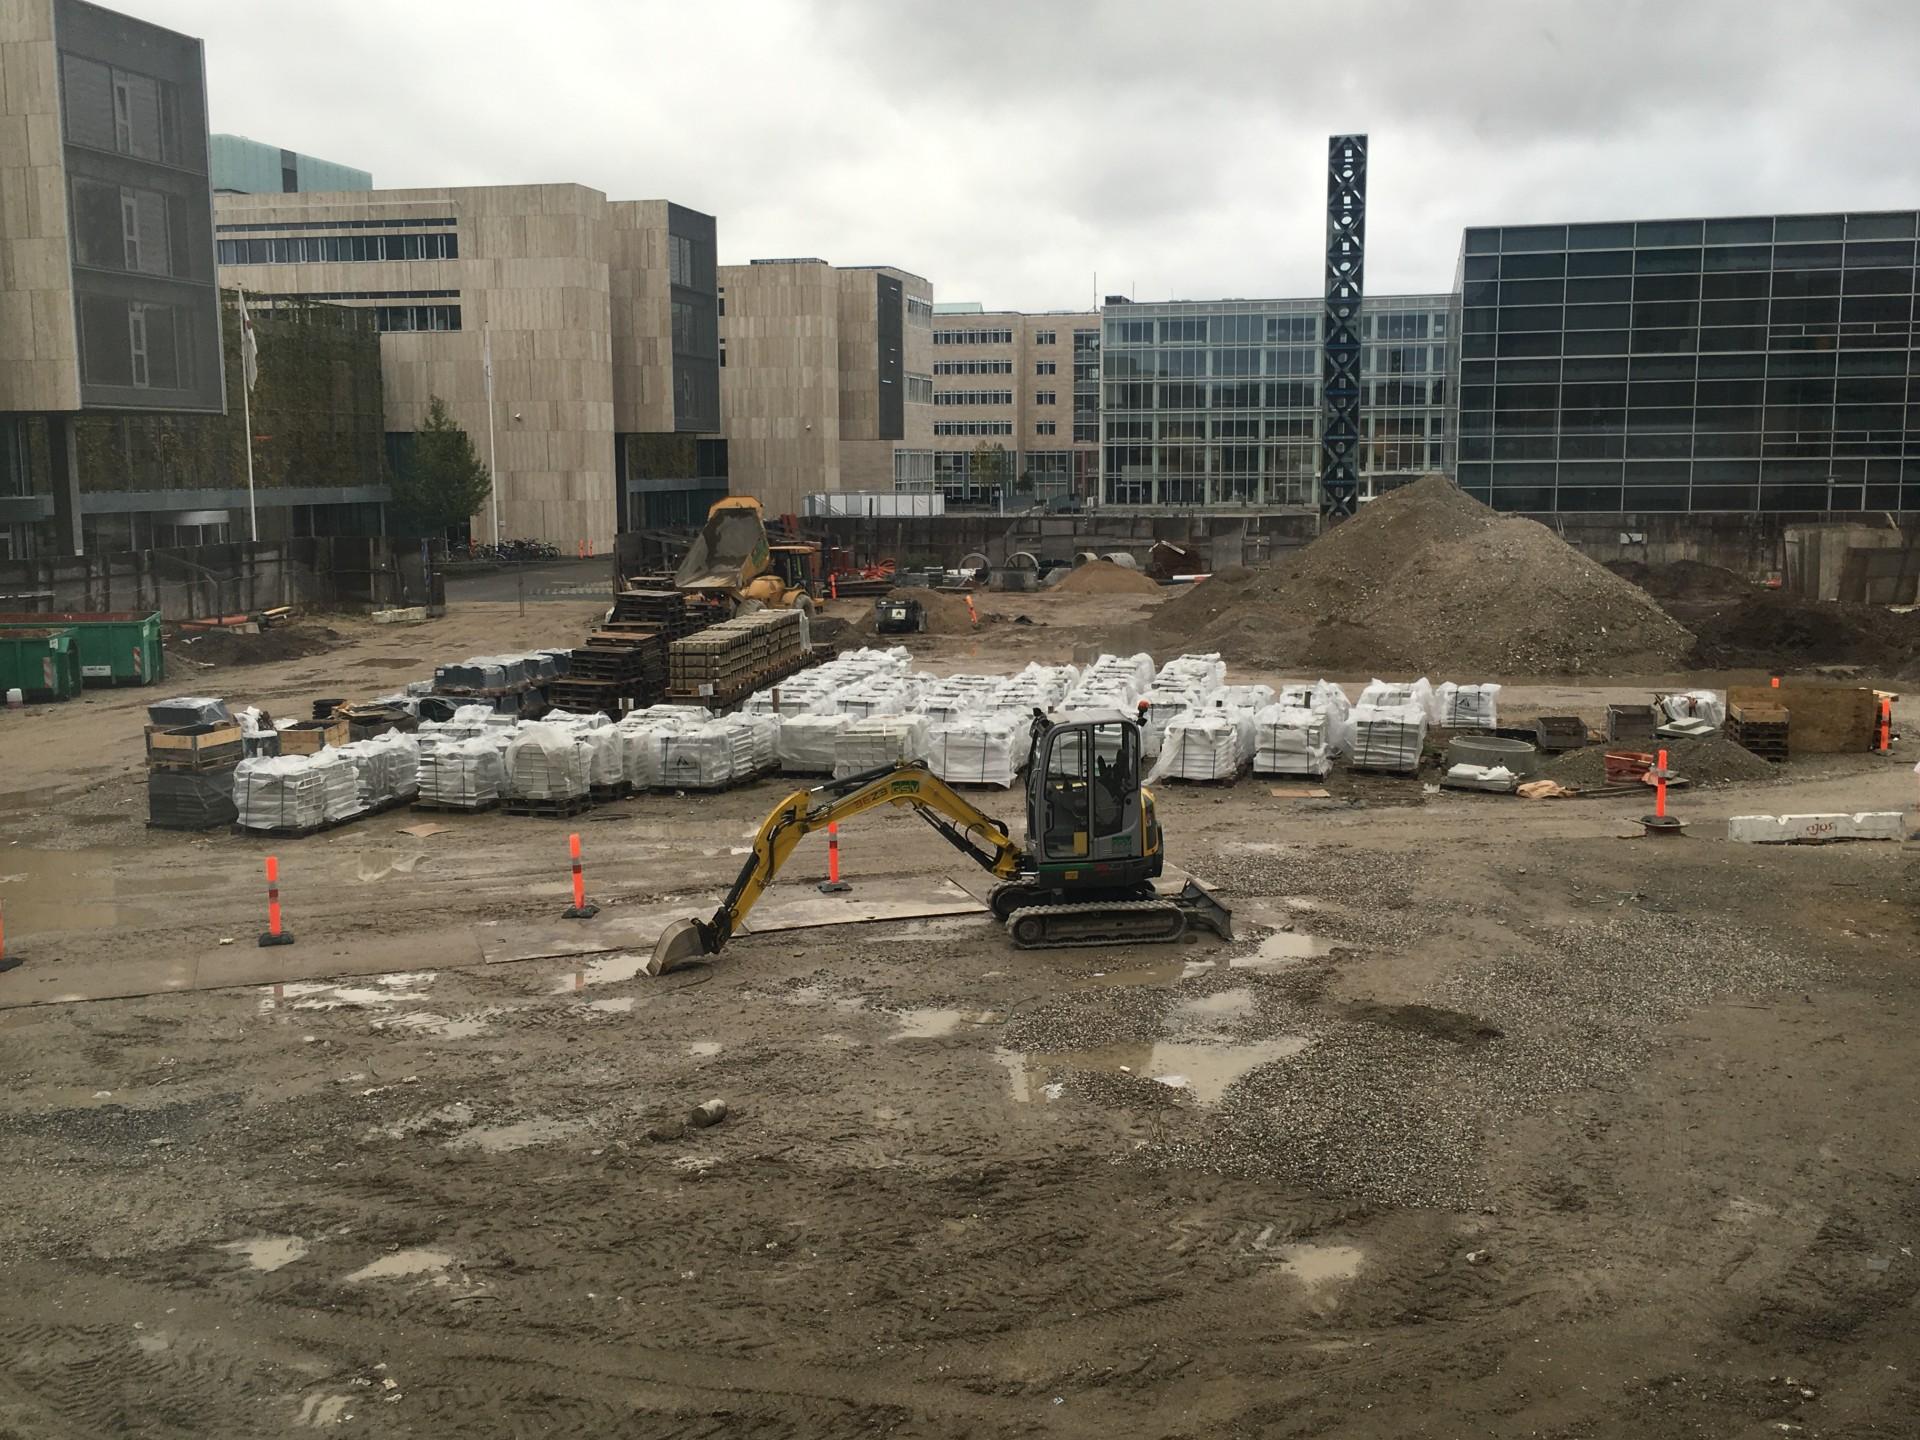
(1010, 149)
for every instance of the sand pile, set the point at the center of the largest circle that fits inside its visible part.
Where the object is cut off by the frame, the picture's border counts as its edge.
(946, 614)
(1427, 580)
(1103, 577)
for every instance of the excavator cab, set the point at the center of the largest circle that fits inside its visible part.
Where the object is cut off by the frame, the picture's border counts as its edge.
(1090, 823)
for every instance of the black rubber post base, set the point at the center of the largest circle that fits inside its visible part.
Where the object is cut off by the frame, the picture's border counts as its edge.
(580, 912)
(834, 887)
(285, 937)
(1661, 825)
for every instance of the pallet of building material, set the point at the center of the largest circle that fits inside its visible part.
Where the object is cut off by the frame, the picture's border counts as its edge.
(307, 737)
(481, 675)
(217, 746)
(466, 775)
(670, 613)
(557, 808)
(371, 718)
(1630, 724)
(1388, 738)
(1763, 730)
(612, 698)
(1826, 719)
(621, 663)
(723, 698)
(291, 796)
(190, 799)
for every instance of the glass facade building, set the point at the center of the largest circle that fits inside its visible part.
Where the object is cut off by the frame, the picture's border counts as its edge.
(1733, 365)
(1218, 402)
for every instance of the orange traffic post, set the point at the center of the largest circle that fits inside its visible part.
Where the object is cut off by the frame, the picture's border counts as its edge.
(580, 909)
(972, 614)
(1886, 726)
(274, 935)
(1776, 682)
(833, 884)
(1660, 788)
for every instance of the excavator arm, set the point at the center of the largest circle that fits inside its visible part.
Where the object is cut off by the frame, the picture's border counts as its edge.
(974, 833)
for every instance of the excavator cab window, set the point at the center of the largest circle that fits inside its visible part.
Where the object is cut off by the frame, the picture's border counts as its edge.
(1090, 798)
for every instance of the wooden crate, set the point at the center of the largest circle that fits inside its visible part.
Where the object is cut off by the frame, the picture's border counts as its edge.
(1824, 719)
(308, 737)
(194, 747)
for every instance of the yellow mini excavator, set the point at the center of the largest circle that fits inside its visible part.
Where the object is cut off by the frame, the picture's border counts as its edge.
(1084, 877)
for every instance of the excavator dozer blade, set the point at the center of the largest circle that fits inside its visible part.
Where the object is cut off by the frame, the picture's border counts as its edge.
(1204, 910)
(678, 944)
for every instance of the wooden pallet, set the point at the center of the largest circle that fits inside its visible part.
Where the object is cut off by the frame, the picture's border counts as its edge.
(435, 807)
(606, 794)
(551, 809)
(1763, 730)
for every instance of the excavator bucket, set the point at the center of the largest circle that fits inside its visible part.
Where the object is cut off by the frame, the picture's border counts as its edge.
(730, 550)
(679, 943)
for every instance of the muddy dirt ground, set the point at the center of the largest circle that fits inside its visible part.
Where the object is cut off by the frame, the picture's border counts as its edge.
(1492, 1122)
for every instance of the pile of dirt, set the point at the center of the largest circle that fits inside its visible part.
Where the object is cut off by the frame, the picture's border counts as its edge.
(1768, 629)
(1683, 579)
(946, 614)
(222, 648)
(1427, 579)
(1103, 577)
(1706, 760)
(831, 630)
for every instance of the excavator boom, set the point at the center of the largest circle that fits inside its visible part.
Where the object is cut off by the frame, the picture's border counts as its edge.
(970, 830)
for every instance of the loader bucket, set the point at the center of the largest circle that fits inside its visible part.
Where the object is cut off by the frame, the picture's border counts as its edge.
(679, 943)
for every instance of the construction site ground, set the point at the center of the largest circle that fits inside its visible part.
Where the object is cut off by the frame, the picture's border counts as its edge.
(1494, 1121)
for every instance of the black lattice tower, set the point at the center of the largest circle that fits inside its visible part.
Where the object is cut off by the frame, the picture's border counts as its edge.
(1340, 342)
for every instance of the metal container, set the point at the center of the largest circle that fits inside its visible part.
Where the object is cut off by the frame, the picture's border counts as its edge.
(42, 664)
(116, 647)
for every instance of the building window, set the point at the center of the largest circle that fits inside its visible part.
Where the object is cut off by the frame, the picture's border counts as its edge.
(1045, 427)
(680, 260)
(337, 249)
(1043, 337)
(1045, 367)
(400, 319)
(919, 312)
(973, 367)
(919, 389)
(913, 470)
(973, 427)
(972, 397)
(1043, 397)
(137, 342)
(973, 337)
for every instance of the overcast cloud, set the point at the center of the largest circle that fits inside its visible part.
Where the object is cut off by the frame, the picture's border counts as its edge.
(1010, 149)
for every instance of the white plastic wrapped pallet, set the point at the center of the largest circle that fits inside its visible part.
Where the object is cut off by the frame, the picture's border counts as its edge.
(548, 762)
(1389, 737)
(641, 733)
(470, 774)
(1291, 740)
(1468, 706)
(1708, 705)
(1384, 694)
(387, 767)
(806, 743)
(1206, 745)
(882, 740)
(1251, 698)
(702, 757)
(1166, 704)
(977, 750)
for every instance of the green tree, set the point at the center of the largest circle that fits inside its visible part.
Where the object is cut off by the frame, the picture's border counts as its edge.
(443, 482)
(991, 466)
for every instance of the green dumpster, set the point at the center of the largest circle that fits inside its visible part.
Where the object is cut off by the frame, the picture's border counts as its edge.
(41, 664)
(117, 647)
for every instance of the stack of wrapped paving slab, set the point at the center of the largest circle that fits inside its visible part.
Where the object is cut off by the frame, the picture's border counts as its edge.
(1291, 740)
(806, 743)
(463, 773)
(1389, 737)
(1206, 745)
(1468, 707)
(705, 757)
(883, 740)
(642, 733)
(386, 768)
(980, 749)
(1329, 701)
(548, 763)
(296, 792)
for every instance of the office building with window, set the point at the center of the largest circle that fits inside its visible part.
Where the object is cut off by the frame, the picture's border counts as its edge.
(600, 317)
(1015, 381)
(1217, 403)
(106, 253)
(247, 167)
(826, 379)
(1762, 363)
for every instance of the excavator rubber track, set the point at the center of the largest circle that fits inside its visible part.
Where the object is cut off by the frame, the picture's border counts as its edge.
(1097, 922)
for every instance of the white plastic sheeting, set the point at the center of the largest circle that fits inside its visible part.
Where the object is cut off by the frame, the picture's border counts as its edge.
(1206, 745)
(1708, 705)
(806, 743)
(1291, 740)
(1389, 737)
(1111, 682)
(296, 792)
(704, 757)
(882, 740)
(641, 733)
(1386, 694)
(980, 749)
(1328, 700)
(470, 774)
(548, 762)
(386, 767)
(1466, 707)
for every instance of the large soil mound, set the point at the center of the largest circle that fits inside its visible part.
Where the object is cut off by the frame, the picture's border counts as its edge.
(1103, 577)
(946, 614)
(1427, 579)
(1773, 630)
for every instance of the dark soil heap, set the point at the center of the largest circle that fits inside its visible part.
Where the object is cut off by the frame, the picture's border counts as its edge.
(946, 614)
(1103, 577)
(1769, 629)
(1428, 580)
(1683, 579)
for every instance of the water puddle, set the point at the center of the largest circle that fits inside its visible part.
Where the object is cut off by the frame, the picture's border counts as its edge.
(519, 1135)
(1166, 972)
(268, 1253)
(456, 1116)
(445, 1027)
(322, 1412)
(1211, 1009)
(619, 1005)
(402, 1265)
(606, 970)
(99, 888)
(1282, 950)
(377, 993)
(1204, 1069)
(379, 864)
(933, 1024)
(1315, 1265)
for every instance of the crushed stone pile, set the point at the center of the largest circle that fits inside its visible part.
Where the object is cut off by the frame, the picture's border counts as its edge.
(1705, 760)
(1103, 577)
(1427, 579)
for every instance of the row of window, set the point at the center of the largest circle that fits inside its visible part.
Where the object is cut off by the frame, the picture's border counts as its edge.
(1654, 394)
(1415, 325)
(973, 427)
(1178, 364)
(973, 397)
(1046, 427)
(1199, 427)
(1043, 337)
(1822, 364)
(392, 319)
(1216, 330)
(333, 249)
(1578, 264)
(277, 226)
(1713, 341)
(1403, 392)
(373, 295)
(1742, 297)
(1043, 397)
(1761, 229)
(1713, 431)
(1822, 315)
(1714, 447)
(973, 337)
(1219, 395)
(973, 367)
(1045, 367)
(124, 112)
(1295, 490)
(919, 312)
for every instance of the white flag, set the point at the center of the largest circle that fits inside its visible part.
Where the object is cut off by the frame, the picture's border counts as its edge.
(249, 346)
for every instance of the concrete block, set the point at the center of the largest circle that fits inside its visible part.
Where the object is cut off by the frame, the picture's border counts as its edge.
(1816, 829)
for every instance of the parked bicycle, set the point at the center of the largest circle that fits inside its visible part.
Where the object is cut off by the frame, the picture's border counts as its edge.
(513, 552)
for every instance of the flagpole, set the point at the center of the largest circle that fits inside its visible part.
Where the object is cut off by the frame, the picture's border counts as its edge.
(493, 477)
(246, 415)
